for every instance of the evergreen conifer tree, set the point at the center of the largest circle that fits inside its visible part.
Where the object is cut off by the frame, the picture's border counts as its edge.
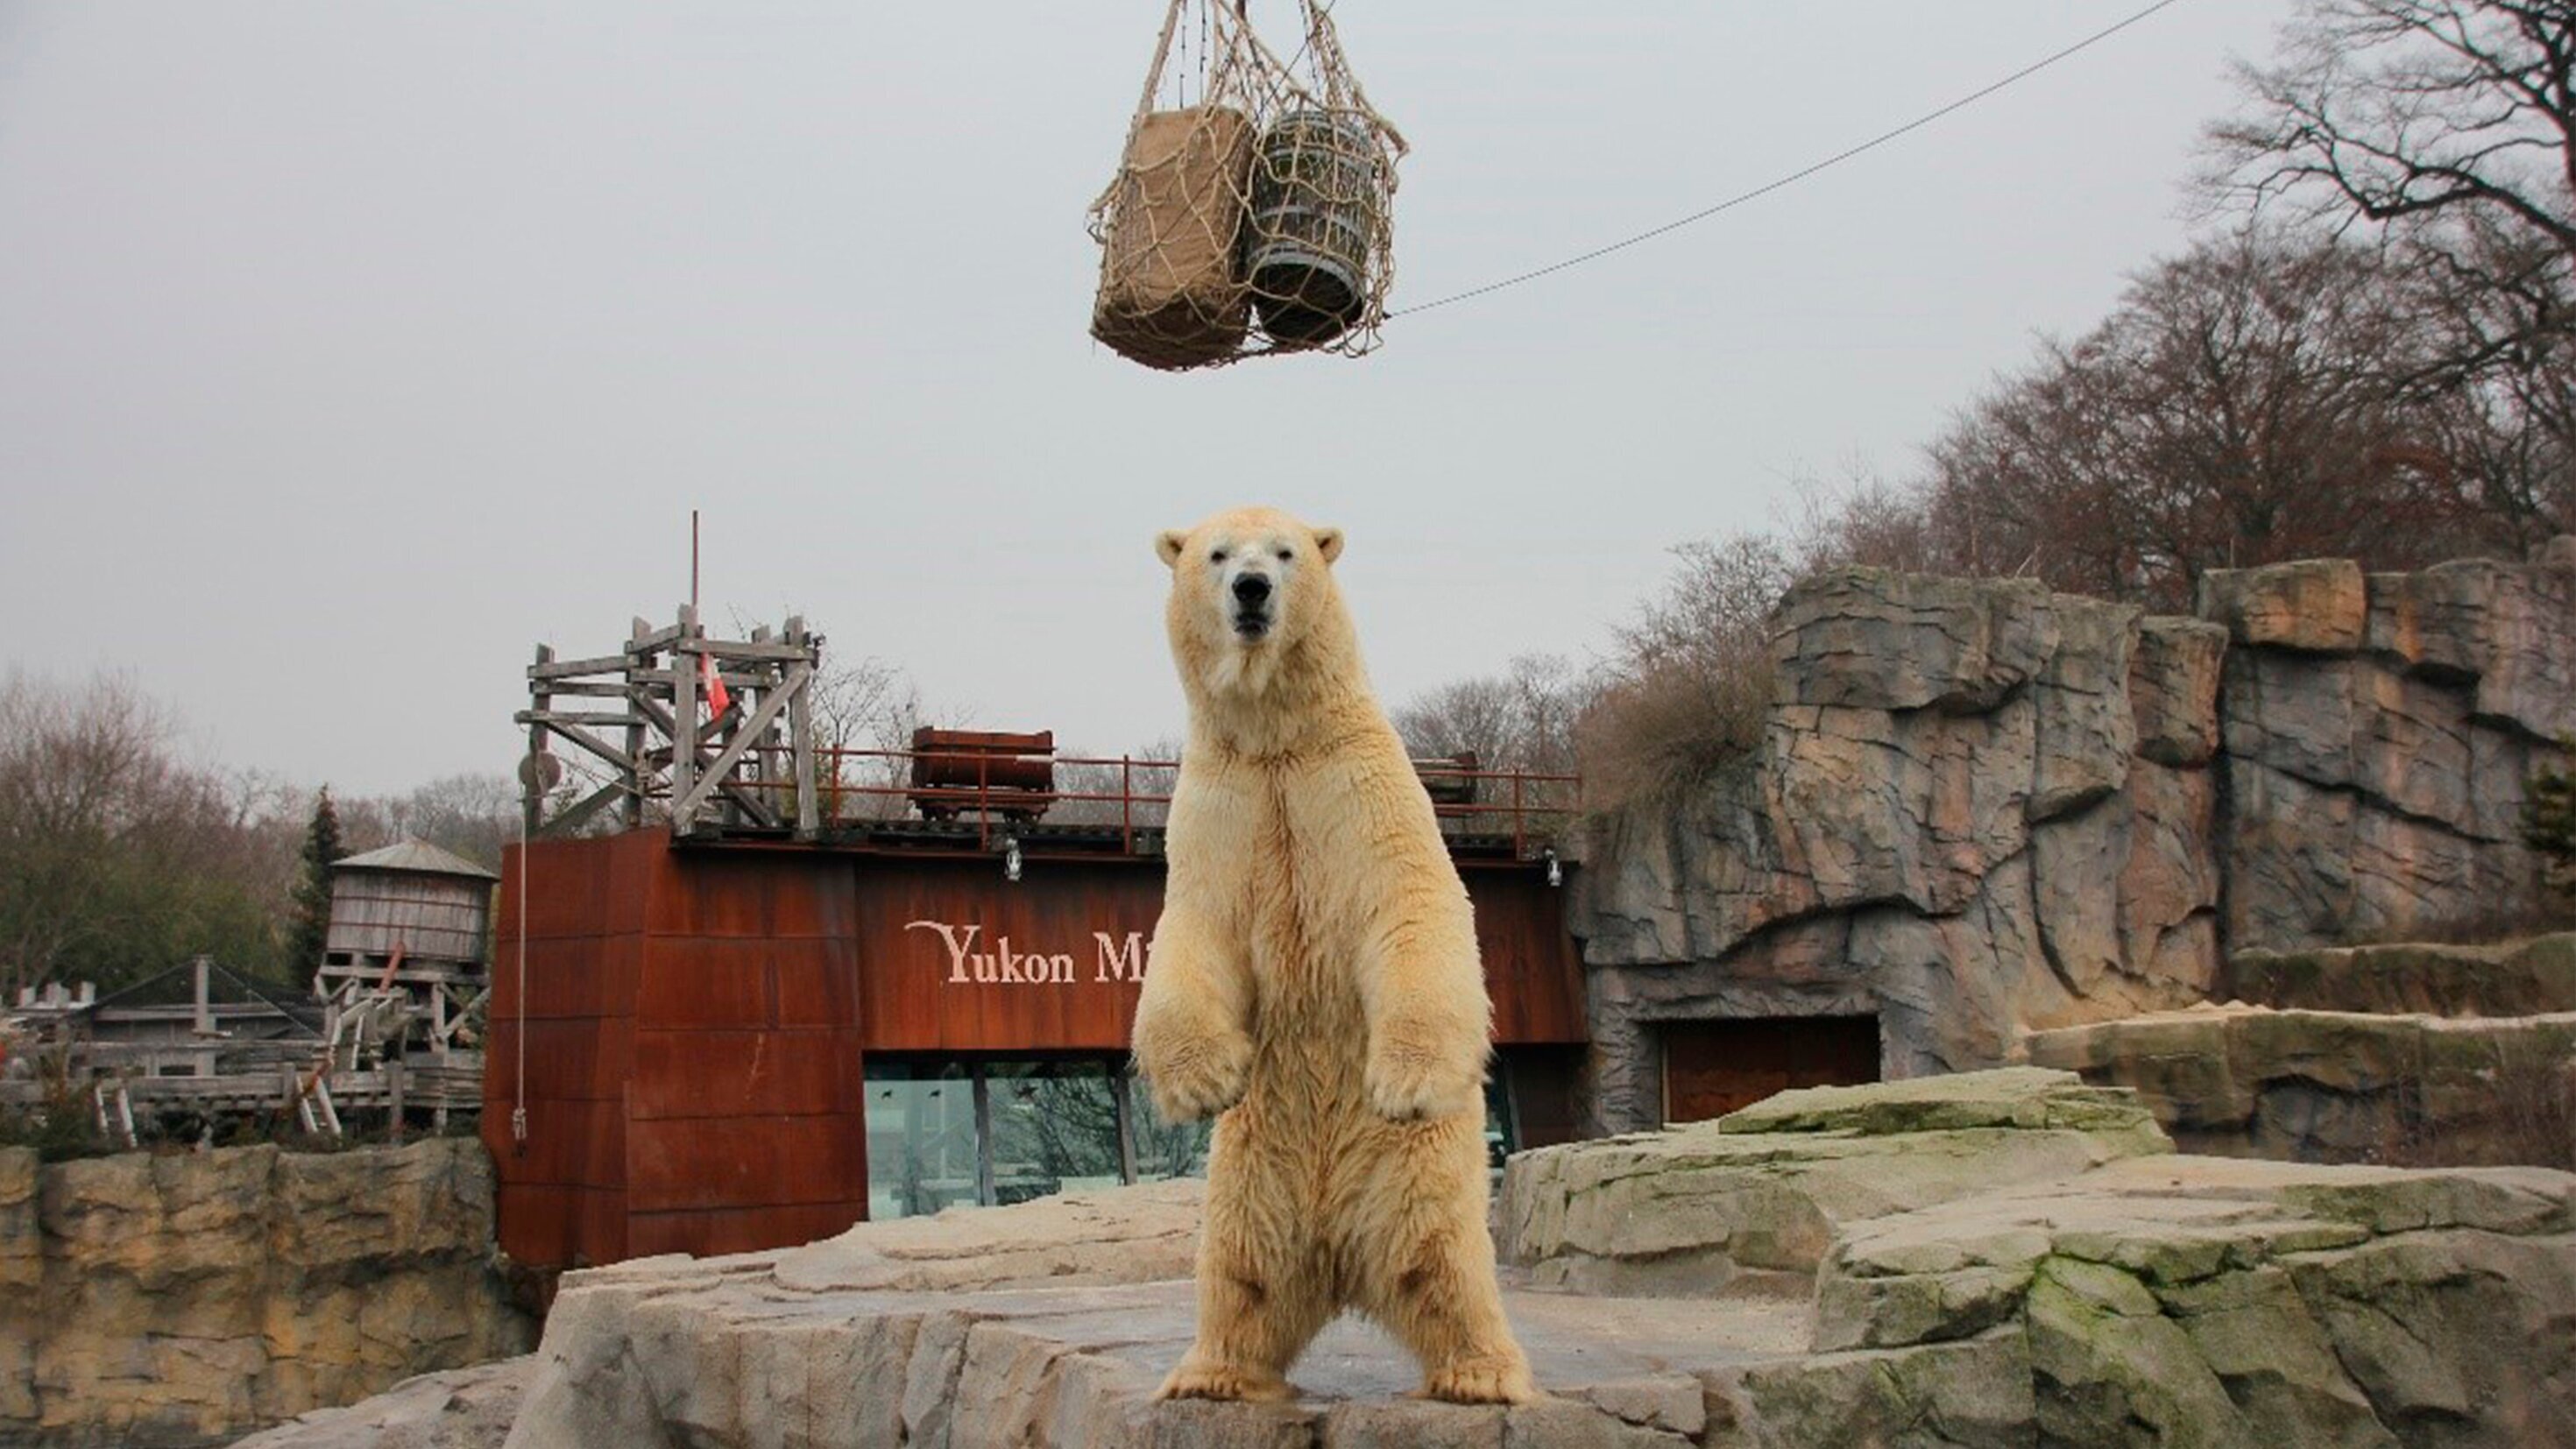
(312, 919)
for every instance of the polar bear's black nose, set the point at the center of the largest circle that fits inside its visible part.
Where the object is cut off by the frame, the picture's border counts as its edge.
(1251, 589)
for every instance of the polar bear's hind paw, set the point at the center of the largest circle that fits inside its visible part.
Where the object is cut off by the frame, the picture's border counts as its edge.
(1215, 1381)
(1482, 1381)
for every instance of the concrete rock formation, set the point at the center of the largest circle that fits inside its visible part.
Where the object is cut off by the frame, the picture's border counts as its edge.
(467, 1408)
(2460, 1054)
(149, 1300)
(1981, 808)
(2190, 1300)
(2378, 733)
(2051, 1274)
(1751, 1202)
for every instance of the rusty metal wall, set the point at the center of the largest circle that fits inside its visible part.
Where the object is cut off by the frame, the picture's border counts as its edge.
(925, 921)
(693, 1053)
(696, 1018)
(563, 1189)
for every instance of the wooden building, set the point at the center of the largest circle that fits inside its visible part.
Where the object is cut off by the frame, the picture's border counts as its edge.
(409, 902)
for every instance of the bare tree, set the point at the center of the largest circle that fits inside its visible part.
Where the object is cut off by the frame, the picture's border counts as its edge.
(2246, 403)
(1133, 789)
(2496, 312)
(118, 858)
(1689, 685)
(471, 815)
(2448, 129)
(1867, 519)
(1521, 719)
(865, 704)
(2400, 111)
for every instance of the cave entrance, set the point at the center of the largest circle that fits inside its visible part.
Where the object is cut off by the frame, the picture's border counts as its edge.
(1712, 1068)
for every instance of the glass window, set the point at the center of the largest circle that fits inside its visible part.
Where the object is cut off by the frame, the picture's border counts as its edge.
(942, 1133)
(1162, 1151)
(1055, 1127)
(922, 1140)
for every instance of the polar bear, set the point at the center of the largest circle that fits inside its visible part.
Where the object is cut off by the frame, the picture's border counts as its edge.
(1314, 979)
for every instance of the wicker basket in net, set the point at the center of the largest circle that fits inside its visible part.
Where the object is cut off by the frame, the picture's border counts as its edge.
(1255, 219)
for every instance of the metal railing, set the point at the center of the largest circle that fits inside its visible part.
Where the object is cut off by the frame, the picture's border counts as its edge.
(985, 795)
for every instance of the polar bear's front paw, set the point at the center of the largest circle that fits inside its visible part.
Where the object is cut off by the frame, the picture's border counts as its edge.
(1413, 1074)
(1197, 1077)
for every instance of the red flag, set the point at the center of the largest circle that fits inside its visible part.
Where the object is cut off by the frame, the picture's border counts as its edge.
(711, 684)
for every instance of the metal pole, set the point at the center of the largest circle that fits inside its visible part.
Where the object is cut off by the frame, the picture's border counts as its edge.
(983, 1139)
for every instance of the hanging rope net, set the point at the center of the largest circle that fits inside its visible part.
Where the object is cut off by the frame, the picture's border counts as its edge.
(1252, 206)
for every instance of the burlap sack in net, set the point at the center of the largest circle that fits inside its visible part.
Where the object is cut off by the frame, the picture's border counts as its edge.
(1255, 220)
(1171, 290)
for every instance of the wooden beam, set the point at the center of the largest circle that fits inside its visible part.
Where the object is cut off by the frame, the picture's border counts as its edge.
(601, 748)
(650, 640)
(632, 810)
(532, 802)
(619, 719)
(684, 733)
(733, 678)
(800, 731)
(744, 735)
(568, 668)
(576, 815)
(741, 650)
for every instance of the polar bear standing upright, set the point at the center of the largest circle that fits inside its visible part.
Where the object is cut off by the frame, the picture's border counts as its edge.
(1314, 979)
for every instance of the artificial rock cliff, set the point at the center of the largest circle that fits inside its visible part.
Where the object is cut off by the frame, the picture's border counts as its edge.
(186, 1298)
(1980, 808)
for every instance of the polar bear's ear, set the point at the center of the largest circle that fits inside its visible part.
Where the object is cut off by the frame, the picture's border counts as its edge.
(1169, 543)
(1328, 542)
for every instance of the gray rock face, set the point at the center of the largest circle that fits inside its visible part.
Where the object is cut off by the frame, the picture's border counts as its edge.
(2527, 978)
(1977, 806)
(1980, 808)
(155, 1300)
(2184, 1300)
(468, 1408)
(2339, 1087)
(1135, 1235)
(1753, 1201)
(2376, 779)
(2314, 604)
(720, 1353)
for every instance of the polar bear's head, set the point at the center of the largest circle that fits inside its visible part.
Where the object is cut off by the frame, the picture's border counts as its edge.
(1252, 591)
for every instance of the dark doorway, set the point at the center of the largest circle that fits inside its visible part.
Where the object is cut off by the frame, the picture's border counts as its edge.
(1712, 1068)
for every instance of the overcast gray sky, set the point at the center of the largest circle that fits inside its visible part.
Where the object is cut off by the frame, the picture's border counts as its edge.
(349, 349)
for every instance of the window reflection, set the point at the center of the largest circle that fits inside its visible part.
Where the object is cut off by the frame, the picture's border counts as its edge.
(921, 1137)
(1055, 1128)
(946, 1132)
(1162, 1151)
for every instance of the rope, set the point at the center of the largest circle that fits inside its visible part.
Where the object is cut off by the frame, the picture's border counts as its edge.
(1730, 203)
(1154, 72)
(519, 1093)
